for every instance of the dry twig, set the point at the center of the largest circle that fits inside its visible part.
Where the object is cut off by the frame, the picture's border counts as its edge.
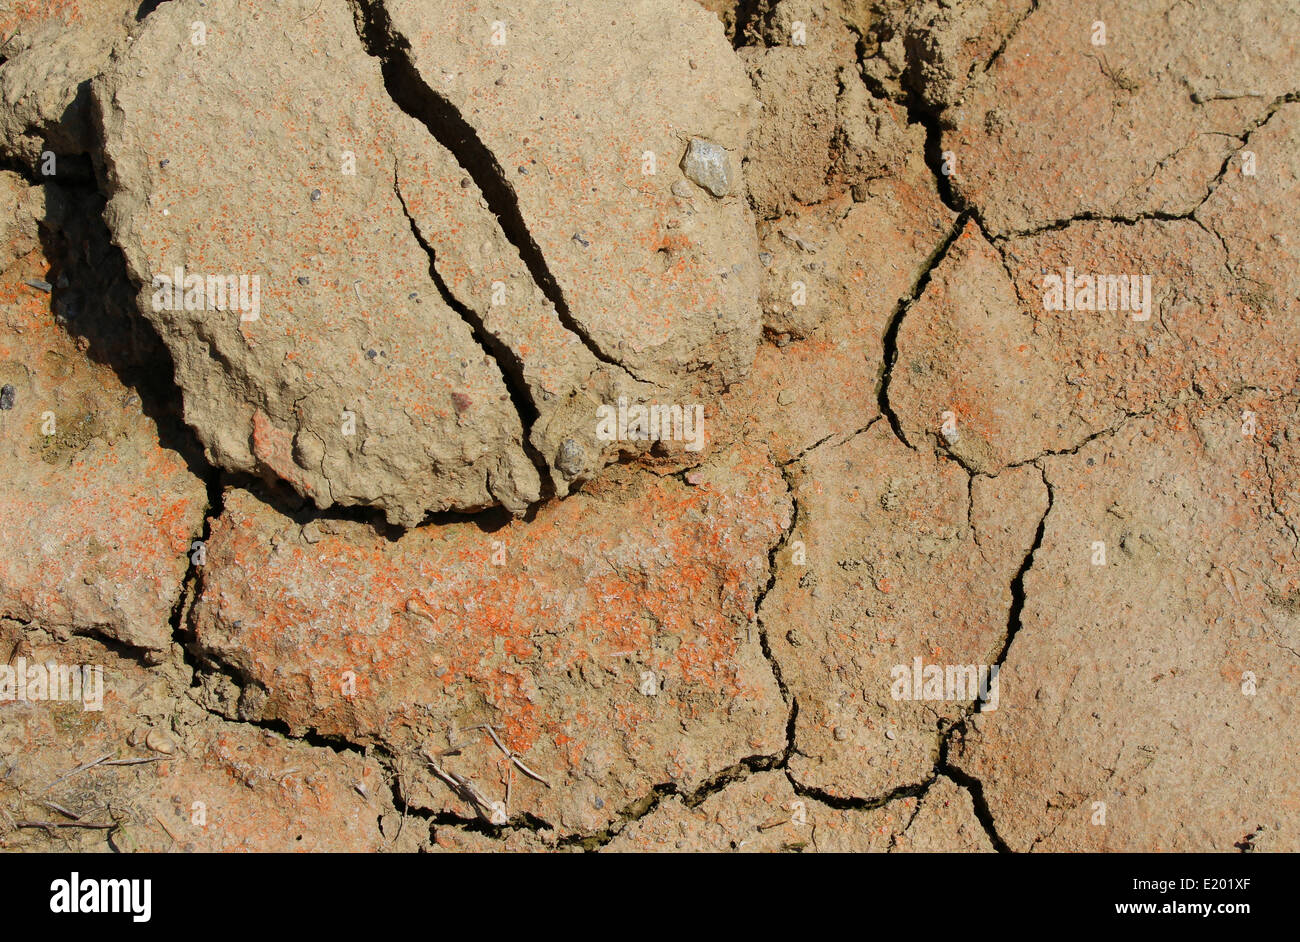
(68, 824)
(491, 731)
(77, 771)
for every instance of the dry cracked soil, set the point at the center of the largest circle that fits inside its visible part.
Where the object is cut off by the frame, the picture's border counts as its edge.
(649, 425)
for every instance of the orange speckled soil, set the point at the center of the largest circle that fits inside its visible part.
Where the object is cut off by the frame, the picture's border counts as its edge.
(954, 564)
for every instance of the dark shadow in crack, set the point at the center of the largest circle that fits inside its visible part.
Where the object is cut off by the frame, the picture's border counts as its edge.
(147, 7)
(749, 16)
(93, 301)
(506, 359)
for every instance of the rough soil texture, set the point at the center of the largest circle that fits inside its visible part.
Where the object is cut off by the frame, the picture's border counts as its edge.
(987, 537)
(395, 285)
(616, 648)
(103, 513)
(51, 50)
(178, 778)
(1200, 526)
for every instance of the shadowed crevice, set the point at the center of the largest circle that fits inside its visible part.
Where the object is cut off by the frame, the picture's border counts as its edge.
(889, 340)
(507, 360)
(413, 95)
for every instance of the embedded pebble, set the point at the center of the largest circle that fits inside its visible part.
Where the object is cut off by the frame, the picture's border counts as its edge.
(708, 166)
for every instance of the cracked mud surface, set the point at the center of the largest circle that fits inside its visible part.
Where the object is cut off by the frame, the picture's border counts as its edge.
(976, 526)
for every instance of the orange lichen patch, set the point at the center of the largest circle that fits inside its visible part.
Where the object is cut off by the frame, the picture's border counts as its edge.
(274, 448)
(19, 13)
(643, 608)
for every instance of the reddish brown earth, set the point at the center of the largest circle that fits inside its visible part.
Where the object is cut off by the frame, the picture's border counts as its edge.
(363, 571)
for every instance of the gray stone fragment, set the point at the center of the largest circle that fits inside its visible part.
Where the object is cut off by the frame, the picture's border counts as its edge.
(708, 166)
(571, 459)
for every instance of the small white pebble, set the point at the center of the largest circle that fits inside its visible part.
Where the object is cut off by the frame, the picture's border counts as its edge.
(159, 741)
